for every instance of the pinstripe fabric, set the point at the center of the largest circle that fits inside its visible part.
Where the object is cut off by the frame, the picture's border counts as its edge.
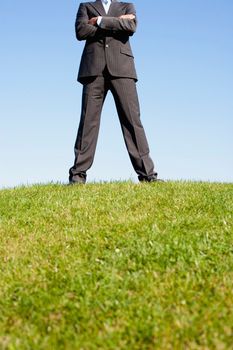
(108, 44)
(126, 100)
(127, 104)
(107, 64)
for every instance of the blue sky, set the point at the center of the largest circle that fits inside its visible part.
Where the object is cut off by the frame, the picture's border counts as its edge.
(183, 54)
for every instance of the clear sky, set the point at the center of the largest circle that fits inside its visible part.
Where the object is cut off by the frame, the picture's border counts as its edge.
(184, 57)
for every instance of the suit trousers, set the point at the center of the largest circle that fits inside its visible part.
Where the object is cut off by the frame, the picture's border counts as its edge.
(125, 96)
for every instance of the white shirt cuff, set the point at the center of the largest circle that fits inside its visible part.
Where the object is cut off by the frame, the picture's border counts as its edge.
(99, 20)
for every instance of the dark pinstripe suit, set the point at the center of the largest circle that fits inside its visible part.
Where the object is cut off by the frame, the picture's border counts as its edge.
(107, 63)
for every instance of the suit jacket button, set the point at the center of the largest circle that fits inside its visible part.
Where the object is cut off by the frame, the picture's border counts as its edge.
(106, 45)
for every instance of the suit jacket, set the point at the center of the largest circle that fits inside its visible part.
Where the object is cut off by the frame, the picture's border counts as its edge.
(107, 44)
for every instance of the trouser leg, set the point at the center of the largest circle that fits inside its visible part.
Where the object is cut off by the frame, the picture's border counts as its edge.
(126, 99)
(93, 97)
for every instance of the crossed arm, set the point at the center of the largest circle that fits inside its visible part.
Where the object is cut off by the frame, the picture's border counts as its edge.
(93, 20)
(113, 23)
(87, 28)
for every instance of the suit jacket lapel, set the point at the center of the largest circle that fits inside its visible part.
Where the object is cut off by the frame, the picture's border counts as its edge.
(112, 8)
(98, 6)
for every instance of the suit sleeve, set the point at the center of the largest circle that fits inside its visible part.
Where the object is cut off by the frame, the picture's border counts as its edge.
(120, 24)
(84, 30)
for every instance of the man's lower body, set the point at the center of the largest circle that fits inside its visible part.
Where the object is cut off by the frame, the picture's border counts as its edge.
(125, 96)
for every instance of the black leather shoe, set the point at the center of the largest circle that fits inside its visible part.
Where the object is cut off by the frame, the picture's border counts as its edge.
(151, 178)
(79, 179)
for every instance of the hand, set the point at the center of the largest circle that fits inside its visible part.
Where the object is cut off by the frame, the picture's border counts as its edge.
(93, 21)
(130, 16)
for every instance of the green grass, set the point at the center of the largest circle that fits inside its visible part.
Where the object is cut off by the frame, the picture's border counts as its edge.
(117, 266)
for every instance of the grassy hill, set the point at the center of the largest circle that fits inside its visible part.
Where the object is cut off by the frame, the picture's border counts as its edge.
(117, 266)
